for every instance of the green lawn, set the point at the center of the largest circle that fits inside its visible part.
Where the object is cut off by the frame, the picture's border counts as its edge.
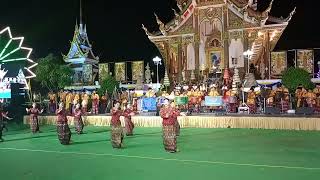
(204, 154)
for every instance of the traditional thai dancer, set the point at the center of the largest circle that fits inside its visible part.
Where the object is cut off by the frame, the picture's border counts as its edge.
(63, 130)
(95, 103)
(251, 101)
(78, 123)
(175, 114)
(34, 122)
(116, 128)
(168, 128)
(84, 103)
(3, 115)
(127, 113)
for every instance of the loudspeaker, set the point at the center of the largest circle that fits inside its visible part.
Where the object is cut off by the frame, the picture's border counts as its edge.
(272, 110)
(305, 111)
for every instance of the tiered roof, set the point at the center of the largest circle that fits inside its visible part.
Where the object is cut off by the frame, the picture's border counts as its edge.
(245, 9)
(80, 45)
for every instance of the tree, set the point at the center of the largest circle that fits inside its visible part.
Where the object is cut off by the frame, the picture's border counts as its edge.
(293, 77)
(52, 73)
(108, 83)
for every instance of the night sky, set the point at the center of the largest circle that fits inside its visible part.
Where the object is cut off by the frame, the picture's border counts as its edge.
(114, 28)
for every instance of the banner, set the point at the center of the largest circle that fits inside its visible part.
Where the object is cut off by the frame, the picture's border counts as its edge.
(213, 101)
(181, 100)
(120, 71)
(5, 90)
(137, 70)
(278, 63)
(149, 104)
(305, 60)
(103, 71)
(87, 73)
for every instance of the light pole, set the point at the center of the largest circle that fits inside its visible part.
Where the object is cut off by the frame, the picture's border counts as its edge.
(248, 55)
(157, 62)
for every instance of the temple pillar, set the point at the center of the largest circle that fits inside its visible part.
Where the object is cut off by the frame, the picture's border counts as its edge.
(267, 56)
(196, 42)
(246, 46)
(180, 58)
(197, 68)
(226, 37)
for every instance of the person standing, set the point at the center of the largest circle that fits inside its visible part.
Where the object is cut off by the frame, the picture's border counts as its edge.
(168, 128)
(68, 103)
(53, 102)
(116, 129)
(103, 105)
(84, 103)
(127, 113)
(95, 103)
(2, 115)
(251, 101)
(175, 114)
(63, 130)
(34, 121)
(78, 123)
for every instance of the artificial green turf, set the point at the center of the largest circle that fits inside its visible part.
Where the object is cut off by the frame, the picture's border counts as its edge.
(203, 155)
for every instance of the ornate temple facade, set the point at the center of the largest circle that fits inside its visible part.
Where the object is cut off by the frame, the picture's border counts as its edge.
(207, 36)
(81, 57)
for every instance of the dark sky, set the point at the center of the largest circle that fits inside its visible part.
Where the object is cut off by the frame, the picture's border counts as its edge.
(114, 27)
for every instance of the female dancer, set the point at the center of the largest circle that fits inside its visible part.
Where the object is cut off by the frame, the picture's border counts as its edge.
(175, 115)
(116, 129)
(34, 122)
(251, 101)
(127, 113)
(78, 123)
(2, 115)
(168, 128)
(63, 130)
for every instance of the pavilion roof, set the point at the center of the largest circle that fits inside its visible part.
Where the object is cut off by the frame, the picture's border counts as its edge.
(80, 46)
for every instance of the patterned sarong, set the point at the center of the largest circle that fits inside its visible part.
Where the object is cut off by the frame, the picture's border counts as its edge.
(169, 138)
(129, 126)
(116, 136)
(177, 128)
(78, 124)
(34, 124)
(64, 133)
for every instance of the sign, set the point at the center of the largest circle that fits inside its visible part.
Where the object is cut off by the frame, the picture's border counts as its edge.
(305, 60)
(103, 71)
(181, 100)
(149, 104)
(278, 63)
(137, 70)
(213, 101)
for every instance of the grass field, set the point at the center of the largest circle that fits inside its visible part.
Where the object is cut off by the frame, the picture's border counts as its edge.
(204, 154)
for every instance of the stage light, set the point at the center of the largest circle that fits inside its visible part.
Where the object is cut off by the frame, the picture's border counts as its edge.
(5, 55)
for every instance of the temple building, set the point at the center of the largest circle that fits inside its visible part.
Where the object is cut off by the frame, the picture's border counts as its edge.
(81, 57)
(207, 36)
